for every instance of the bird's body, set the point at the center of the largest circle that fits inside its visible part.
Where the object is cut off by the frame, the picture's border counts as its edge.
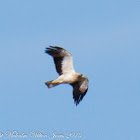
(69, 77)
(64, 66)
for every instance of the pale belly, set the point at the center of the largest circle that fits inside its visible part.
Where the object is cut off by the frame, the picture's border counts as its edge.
(68, 78)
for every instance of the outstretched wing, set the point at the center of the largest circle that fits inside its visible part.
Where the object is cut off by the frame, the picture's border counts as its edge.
(79, 89)
(63, 60)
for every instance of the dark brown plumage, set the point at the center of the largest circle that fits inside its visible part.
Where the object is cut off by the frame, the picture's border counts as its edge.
(77, 93)
(58, 55)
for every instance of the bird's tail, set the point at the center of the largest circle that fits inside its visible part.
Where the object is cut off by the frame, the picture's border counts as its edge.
(50, 84)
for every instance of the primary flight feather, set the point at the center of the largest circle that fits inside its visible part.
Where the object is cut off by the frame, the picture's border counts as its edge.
(64, 66)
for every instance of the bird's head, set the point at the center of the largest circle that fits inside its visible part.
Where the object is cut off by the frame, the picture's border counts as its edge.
(81, 75)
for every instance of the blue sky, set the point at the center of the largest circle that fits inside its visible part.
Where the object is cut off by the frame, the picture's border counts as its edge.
(104, 39)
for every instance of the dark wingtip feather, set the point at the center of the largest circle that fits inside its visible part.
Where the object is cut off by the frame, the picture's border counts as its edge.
(56, 47)
(76, 103)
(48, 50)
(51, 48)
(77, 100)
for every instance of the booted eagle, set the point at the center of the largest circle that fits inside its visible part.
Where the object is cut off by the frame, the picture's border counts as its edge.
(64, 66)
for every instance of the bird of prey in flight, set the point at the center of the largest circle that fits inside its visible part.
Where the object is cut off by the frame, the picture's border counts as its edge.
(64, 66)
